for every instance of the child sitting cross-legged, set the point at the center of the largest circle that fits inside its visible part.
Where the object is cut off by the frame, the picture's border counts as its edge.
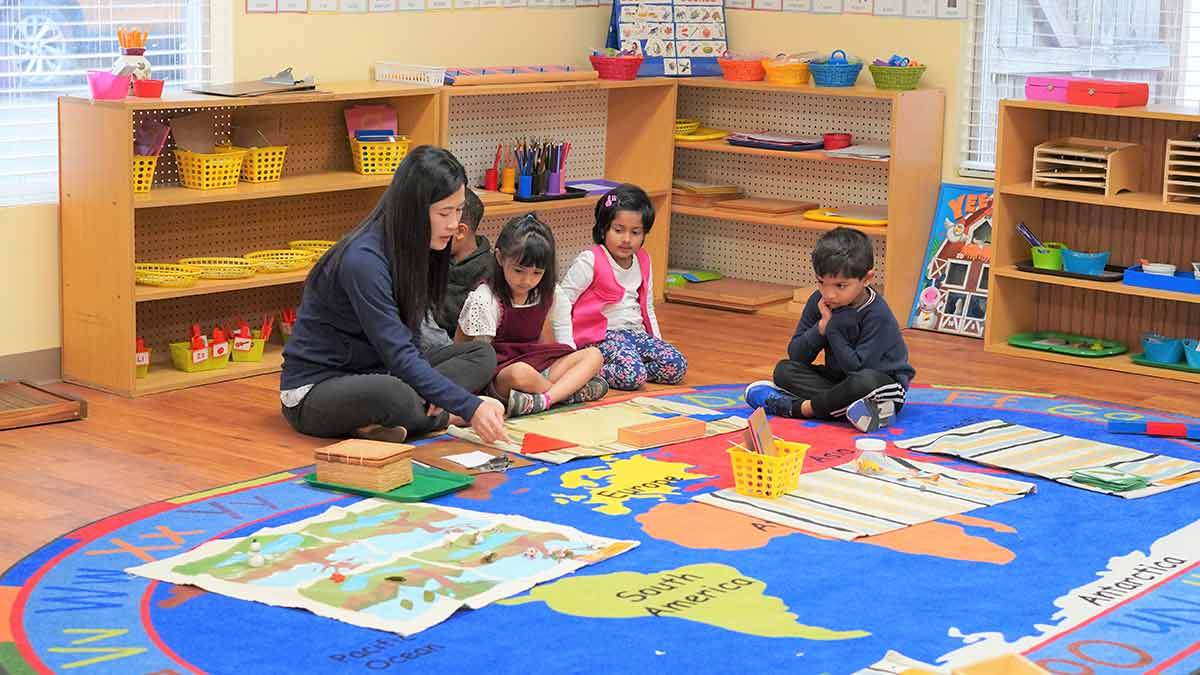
(866, 372)
(509, 309)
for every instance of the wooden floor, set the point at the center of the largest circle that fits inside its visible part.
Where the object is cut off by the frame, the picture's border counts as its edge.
(133, 451)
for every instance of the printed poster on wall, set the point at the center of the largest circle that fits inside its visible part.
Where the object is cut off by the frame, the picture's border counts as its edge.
(676, 38)
(952, 290)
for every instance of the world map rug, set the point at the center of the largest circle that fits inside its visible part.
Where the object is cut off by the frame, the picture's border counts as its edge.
(1075, 580)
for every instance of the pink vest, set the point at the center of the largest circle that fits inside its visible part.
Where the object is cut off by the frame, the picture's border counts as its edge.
(588, 322)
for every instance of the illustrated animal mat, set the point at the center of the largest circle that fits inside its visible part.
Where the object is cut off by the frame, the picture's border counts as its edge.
(845, 504)
(380, 564)
(1055, 455)
(558, 437)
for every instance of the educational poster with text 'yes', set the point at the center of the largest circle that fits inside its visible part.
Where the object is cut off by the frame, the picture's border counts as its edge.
(680, 38)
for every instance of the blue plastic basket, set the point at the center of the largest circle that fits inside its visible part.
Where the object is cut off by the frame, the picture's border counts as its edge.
(1162, 349)
(1084, 263)
(1193, 356)
(834, 72)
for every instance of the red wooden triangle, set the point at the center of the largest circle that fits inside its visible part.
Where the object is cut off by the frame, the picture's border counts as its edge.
(535, 443)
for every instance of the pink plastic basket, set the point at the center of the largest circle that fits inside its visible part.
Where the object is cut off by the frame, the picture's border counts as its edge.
(105, 85)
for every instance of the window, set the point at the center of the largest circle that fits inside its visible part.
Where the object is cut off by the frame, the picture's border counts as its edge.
(1153, 41)
(46, 49)
(983, 278)
(956, 276)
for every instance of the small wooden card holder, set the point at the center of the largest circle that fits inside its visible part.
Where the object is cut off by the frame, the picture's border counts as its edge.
(1181, 174)
(365, 465)
(1104, 166)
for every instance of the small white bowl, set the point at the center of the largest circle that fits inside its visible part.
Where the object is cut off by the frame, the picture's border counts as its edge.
(1196, 269)
(1164, 269)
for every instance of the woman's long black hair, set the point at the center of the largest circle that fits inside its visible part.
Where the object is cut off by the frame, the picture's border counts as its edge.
(427, 175)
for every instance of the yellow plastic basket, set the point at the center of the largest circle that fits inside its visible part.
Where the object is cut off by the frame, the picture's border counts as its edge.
(786, 73)
(209, 172)
(703, 134)
(221, 268)
(686, 125)
(317, 246)
(378, 157)
(756, 475)
(143, 172)
(262, 165)
(280, 260)
(165, 274)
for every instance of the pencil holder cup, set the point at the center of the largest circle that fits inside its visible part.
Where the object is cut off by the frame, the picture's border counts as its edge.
(525, 186)
(141, 361)
(756, 475)
(540, 182)
(1047, 256)
(554, 184)
(508, 181)
(248, 350)
(490, 179)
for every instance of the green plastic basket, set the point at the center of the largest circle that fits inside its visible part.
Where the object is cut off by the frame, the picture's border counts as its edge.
(897, 77)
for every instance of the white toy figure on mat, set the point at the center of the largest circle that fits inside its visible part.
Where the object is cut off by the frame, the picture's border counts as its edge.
(927, 308)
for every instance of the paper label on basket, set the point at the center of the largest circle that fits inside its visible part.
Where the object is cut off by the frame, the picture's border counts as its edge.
(242, 344)
(199, 356)
(142, 358)
(220, 349)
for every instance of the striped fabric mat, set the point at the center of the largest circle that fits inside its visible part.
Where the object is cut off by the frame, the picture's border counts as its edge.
(1050, 455)
(845, 504)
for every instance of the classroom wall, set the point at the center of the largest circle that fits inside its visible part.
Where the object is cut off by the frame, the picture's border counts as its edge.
(341, 47)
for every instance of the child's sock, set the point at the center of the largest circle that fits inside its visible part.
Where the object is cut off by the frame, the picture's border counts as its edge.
(764, 394)
(521, 403)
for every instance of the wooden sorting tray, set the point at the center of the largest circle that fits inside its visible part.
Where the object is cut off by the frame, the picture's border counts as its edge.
(1107, 167)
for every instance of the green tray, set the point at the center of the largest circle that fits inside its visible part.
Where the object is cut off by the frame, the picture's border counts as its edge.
(1036, 341)
(427, 483)
(1141, 360)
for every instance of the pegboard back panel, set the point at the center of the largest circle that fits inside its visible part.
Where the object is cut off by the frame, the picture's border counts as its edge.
(236, 228)
(788, 112)
(781, 255)
(166, 321)
(827, 183)
(477, 124)
(315, 134)
(572, 230)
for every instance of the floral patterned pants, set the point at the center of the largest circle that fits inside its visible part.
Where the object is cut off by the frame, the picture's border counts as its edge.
(631, 358)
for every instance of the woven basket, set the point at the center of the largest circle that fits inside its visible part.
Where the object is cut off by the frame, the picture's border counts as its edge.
(212, 267)
(165, 274)
(896, 77)
(280, 260)
(786, 73)
(826, 74)
(747, 70)
(616, 67)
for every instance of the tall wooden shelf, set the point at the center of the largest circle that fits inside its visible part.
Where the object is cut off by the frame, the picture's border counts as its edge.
(1132, 225)
(106, 228)
(756, 246)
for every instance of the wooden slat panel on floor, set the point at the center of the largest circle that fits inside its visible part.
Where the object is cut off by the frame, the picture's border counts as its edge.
(23, 405)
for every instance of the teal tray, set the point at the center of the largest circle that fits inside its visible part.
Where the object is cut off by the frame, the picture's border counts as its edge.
(1141, 360)
(427, 483)
(1072, 348)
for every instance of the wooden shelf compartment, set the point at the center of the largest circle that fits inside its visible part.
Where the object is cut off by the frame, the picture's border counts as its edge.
(164, 377)
(207, 286)
(1097, 286)
(784, 220)
(310, 183)
(1120, 363)
(804, 155)
(325, 93)
(860, 91)
(1141, 201)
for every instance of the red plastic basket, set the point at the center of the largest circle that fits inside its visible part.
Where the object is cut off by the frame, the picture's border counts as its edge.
(617, 67)
(748, 70)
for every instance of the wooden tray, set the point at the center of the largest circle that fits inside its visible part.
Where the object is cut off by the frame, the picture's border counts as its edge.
(765, 205)
(24, 405)
(434, 454)
(680, 198)
(1088, 163)
(738, 295)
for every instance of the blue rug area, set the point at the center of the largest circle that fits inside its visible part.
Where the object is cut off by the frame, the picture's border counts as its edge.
(707, 591)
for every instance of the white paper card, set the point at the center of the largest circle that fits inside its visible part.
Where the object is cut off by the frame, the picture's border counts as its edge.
(889, 7)
(470, 460)
(293, 5)
(260, 6)
(919, 9)
(797, 5)
(827, 7)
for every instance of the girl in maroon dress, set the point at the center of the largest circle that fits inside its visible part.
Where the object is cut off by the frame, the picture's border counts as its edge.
(509, 310)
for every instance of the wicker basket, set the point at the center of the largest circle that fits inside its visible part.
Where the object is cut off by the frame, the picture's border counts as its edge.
(280, 260)
(742, 70)
(212, 267)
(832, 73)
(896, 77)
(165, 274)
(262, 165)
(209, 171)
(143, 172)
(616, 67)
(378, 157)
(786, 73)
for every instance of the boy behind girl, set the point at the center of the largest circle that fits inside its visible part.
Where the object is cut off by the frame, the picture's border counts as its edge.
(866, 371)
(470, 262)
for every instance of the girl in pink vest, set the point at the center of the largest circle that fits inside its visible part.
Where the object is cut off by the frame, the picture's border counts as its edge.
(609, 299)
(509, 310)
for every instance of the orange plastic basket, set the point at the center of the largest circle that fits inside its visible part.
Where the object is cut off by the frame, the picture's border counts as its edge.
(747, 70)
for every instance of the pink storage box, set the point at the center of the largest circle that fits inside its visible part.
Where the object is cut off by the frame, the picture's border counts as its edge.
(1042, 88)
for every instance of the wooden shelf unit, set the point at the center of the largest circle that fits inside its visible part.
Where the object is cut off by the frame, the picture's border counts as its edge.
(1132, 225)
(910, 122)
(106, 228)
(619, 131)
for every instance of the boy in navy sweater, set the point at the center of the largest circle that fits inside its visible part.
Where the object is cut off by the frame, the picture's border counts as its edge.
(866, 371)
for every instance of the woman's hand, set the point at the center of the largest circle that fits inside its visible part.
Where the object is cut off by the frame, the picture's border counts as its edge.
(488, 420)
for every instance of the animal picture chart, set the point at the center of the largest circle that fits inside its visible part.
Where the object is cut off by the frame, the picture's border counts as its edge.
(681, 38)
